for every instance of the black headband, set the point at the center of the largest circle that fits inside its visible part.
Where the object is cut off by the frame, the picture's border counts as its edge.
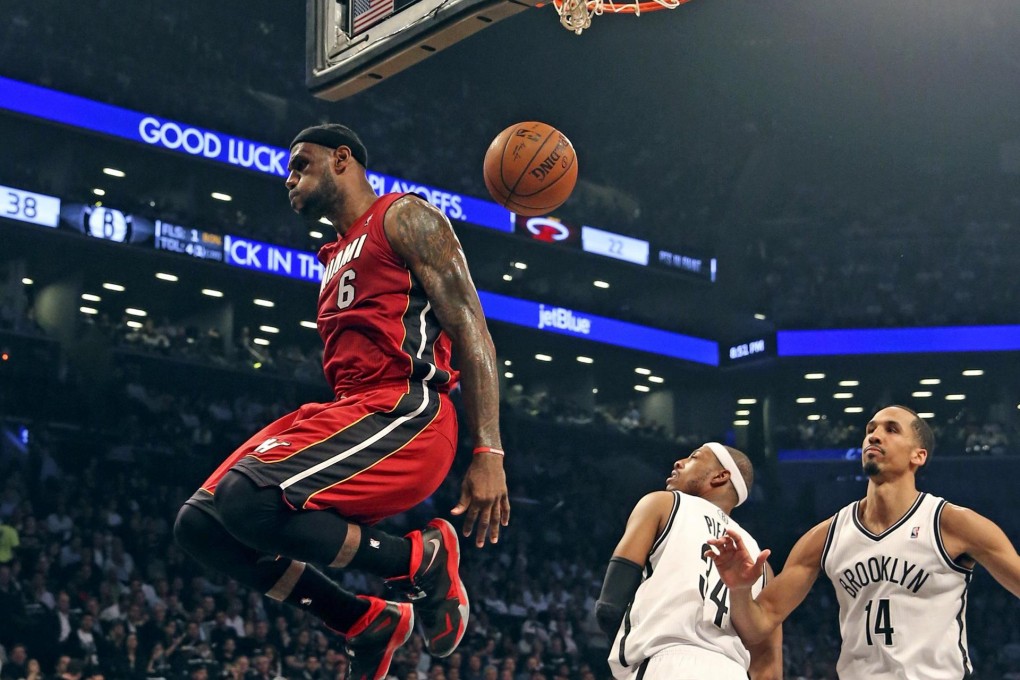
(332, 136)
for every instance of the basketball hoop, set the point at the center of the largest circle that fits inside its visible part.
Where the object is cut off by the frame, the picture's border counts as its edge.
(576, 15)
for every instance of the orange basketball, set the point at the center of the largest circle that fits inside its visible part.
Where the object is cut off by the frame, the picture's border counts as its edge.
(530, 168)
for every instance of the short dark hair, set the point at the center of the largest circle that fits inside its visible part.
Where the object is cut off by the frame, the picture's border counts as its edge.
(744, 465)
(922, 431)
(332, 136)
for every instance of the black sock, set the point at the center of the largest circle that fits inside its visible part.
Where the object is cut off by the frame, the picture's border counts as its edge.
(382, 554)
(317, 593)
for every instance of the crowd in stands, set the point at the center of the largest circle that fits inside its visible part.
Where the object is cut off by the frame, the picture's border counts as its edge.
(925, 259)
(965, 433)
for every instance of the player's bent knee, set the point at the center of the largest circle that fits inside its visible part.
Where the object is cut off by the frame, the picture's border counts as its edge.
(189, 529)
(249, 513)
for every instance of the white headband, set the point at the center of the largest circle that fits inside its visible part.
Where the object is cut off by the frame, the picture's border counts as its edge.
(726, 460)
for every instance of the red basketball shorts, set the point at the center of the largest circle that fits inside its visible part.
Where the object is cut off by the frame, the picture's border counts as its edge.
(367, 456)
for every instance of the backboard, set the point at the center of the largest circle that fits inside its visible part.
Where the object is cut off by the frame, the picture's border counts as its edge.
(353, 44)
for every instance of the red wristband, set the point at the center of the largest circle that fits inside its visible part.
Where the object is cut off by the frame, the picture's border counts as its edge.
(487, 449)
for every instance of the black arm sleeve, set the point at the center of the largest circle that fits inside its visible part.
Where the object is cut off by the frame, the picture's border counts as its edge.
(622, 580)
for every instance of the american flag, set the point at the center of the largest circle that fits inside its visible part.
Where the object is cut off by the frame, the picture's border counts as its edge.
(370, 12)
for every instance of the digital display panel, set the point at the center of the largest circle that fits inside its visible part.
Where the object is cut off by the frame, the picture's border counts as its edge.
(565, 321)
(271, 259)
(617, 246)
(26, 206)
(898, 340)
(194, 242)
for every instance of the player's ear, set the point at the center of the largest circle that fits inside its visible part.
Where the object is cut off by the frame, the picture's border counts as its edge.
(341, 158)
(919, 457)
(720, 478)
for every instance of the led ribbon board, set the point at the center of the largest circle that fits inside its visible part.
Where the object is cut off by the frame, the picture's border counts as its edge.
(564, 321)
(898, 340)
(68, 109)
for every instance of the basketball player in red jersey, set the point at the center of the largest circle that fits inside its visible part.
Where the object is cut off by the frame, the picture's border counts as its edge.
(396, 296)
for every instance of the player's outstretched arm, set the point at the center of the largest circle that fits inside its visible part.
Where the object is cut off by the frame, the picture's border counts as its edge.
(767, 655)
(423, 237)
(965, 532)
(623, 576)
(755, 619)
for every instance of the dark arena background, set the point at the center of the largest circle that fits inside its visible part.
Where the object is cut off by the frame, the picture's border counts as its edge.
(787, 216)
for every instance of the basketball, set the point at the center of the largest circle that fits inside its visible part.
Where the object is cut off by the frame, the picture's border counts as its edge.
(530, 168)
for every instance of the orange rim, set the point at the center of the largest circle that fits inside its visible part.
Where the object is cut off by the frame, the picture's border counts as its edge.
(610, 7)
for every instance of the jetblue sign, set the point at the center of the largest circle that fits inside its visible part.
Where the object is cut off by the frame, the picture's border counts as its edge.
(178, 137)
(599, 328)
(563, 319)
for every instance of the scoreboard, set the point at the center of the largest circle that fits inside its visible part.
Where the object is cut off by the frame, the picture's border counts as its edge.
(194, 242)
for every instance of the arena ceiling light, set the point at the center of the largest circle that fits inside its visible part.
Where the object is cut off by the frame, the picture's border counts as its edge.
(88, 310)
(742, 412)
(261, 341)
(269, 329)
(741, 423)
(309, 324)
(642, 371)
(747, 401)
(114, 172)
(814, 416)
(114, 287)
(519, 265)
(854, 409)
(99, 192)
(507, 277)
(600, 284)
(132, 311)
(585, 360)
(926, 414)
(163, 276)
(543, 357)
(89, 297)
(27, 281)
(930, 381)
(921, 394)
(843, 395)
(211, 292)
(955, 397)
(849, 383)
(220, 196)
(642, 388)
(133, 324)
(806, 400)
(971, 372)
(264, 303)
(507, 362)
(760, 317)
(508, 375)
(656, 379)
(315, 234)
(814, 376)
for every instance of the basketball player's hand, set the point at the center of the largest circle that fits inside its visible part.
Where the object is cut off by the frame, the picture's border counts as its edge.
(484, 499)
(733, 561)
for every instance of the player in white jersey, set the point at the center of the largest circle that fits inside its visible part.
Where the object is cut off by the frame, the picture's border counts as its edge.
(900, 561)
(662, 603)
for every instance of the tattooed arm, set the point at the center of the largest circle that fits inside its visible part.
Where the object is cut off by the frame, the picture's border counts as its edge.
(423, 237)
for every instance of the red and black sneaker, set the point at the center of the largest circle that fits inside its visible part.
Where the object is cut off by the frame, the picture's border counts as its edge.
(434, 587)
(373, 639)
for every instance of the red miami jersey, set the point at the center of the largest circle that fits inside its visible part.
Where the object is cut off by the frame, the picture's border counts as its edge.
(376, 323)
